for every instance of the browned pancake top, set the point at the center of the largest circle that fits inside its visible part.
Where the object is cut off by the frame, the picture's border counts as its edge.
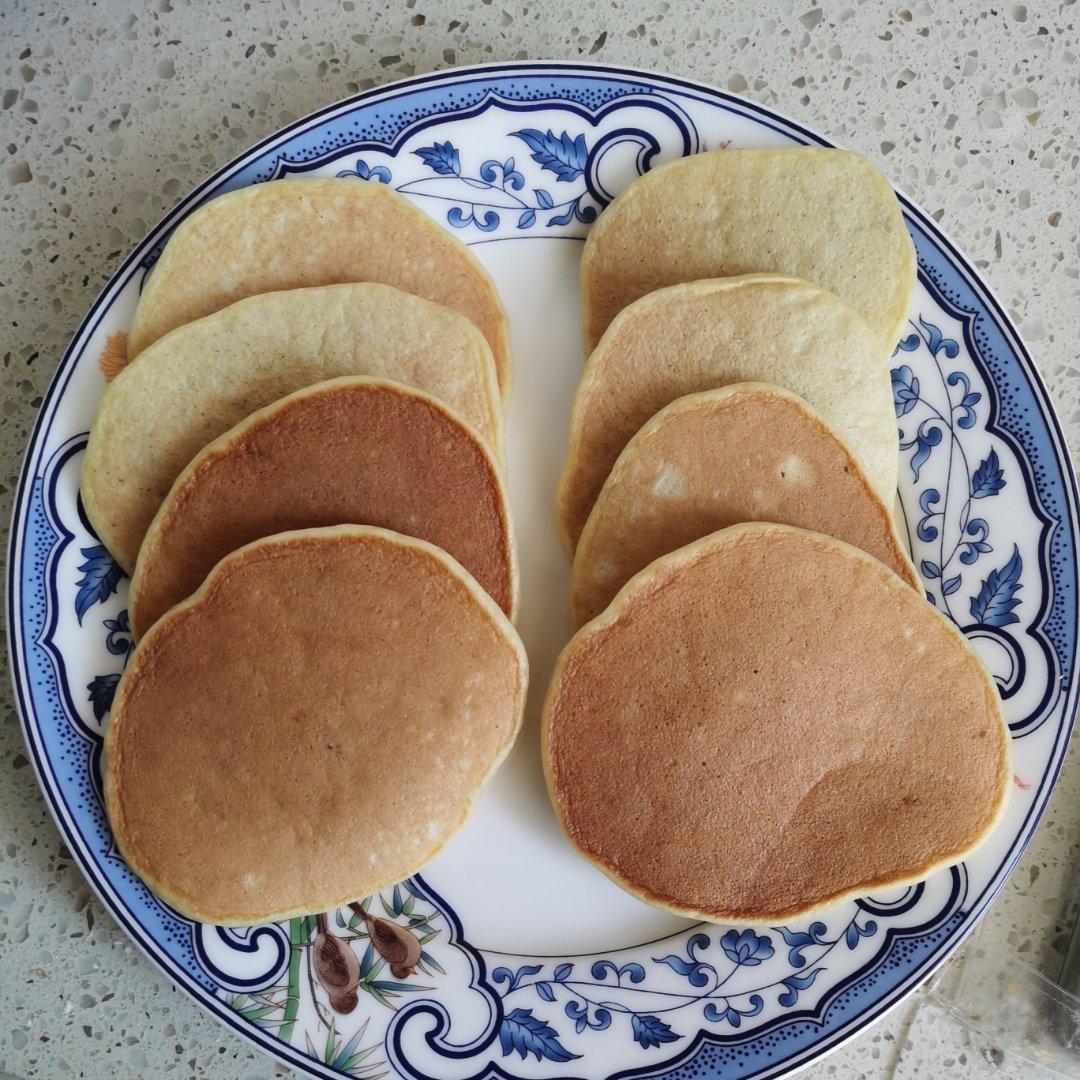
(748, 452)
(767, 721)
(350, 450)
(311, 727)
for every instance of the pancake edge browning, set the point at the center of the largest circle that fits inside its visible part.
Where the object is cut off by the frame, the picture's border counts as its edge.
(687, 555)
(313, 905)
(567, 491)
(719, 396)
(224, 443)
(110, 407)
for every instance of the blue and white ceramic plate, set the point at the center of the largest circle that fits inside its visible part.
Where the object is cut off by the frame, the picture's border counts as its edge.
(534, 964)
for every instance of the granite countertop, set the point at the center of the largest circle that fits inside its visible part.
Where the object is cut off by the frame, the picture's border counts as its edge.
(110, 112)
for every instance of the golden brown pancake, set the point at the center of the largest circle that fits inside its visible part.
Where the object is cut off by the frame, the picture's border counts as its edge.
(351, 451)
(768, 721)
(748, 452)
(311, 726)
(202, 378)
(825, 215)
(699, 336)
(290, 234)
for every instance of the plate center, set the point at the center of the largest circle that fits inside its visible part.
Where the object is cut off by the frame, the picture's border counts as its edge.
(512, 876)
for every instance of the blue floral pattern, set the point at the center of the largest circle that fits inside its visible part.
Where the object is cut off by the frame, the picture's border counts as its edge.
(926, 427)
(607, 992)
(496, 191)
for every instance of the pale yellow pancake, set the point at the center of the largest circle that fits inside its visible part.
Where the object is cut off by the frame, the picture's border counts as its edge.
(311, 726)
(289, 234)
(747, 452)
(769, 721)
(349, 451)
(706, 334)
(825, 215)
(199, 380)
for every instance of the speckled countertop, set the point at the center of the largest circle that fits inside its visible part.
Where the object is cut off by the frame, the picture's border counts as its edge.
(111, 111)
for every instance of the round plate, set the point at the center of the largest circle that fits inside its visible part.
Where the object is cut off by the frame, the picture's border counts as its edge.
(534, 964)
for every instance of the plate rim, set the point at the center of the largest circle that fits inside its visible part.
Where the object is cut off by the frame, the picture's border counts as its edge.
(538, 68)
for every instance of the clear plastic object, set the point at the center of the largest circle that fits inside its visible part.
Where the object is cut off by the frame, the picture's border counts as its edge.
(989, 1014)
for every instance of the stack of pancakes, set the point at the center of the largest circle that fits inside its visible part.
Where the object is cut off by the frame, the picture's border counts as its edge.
(759, 714)
(301, 465)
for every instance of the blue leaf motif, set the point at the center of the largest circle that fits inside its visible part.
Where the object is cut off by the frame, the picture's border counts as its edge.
(908, 344)
(651, 1031)
(634, 972)
(560, 154)
(968, 402)
(102, 690)
(526, 1034)
(732, 1015)
(565, 218)
(489, 171)
(101, 574)
(936, 343)
(798, 940)
(579, 1014)
(996, 599)
(118, 640)
(930, 569)
(694, 972)
(363, 171)
(989, 477)
(796, 983)
(545, 991)
(563, 972)
(746, 949)
(950, 585)
(527, 220)
(977, 528)
(854, 931)
(442, 158)
(513, 978)
(543, 199)
(459, 219)
(927, 501)
(600, 1021)
(927, 438)
(905, 387)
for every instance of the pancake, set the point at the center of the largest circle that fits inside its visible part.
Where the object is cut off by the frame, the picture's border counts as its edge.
(311, 726)
(198, 381)
(348, 451)
(289, 234)
(769, 721)
(759, 328)
(828, 216)
(748, 452)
